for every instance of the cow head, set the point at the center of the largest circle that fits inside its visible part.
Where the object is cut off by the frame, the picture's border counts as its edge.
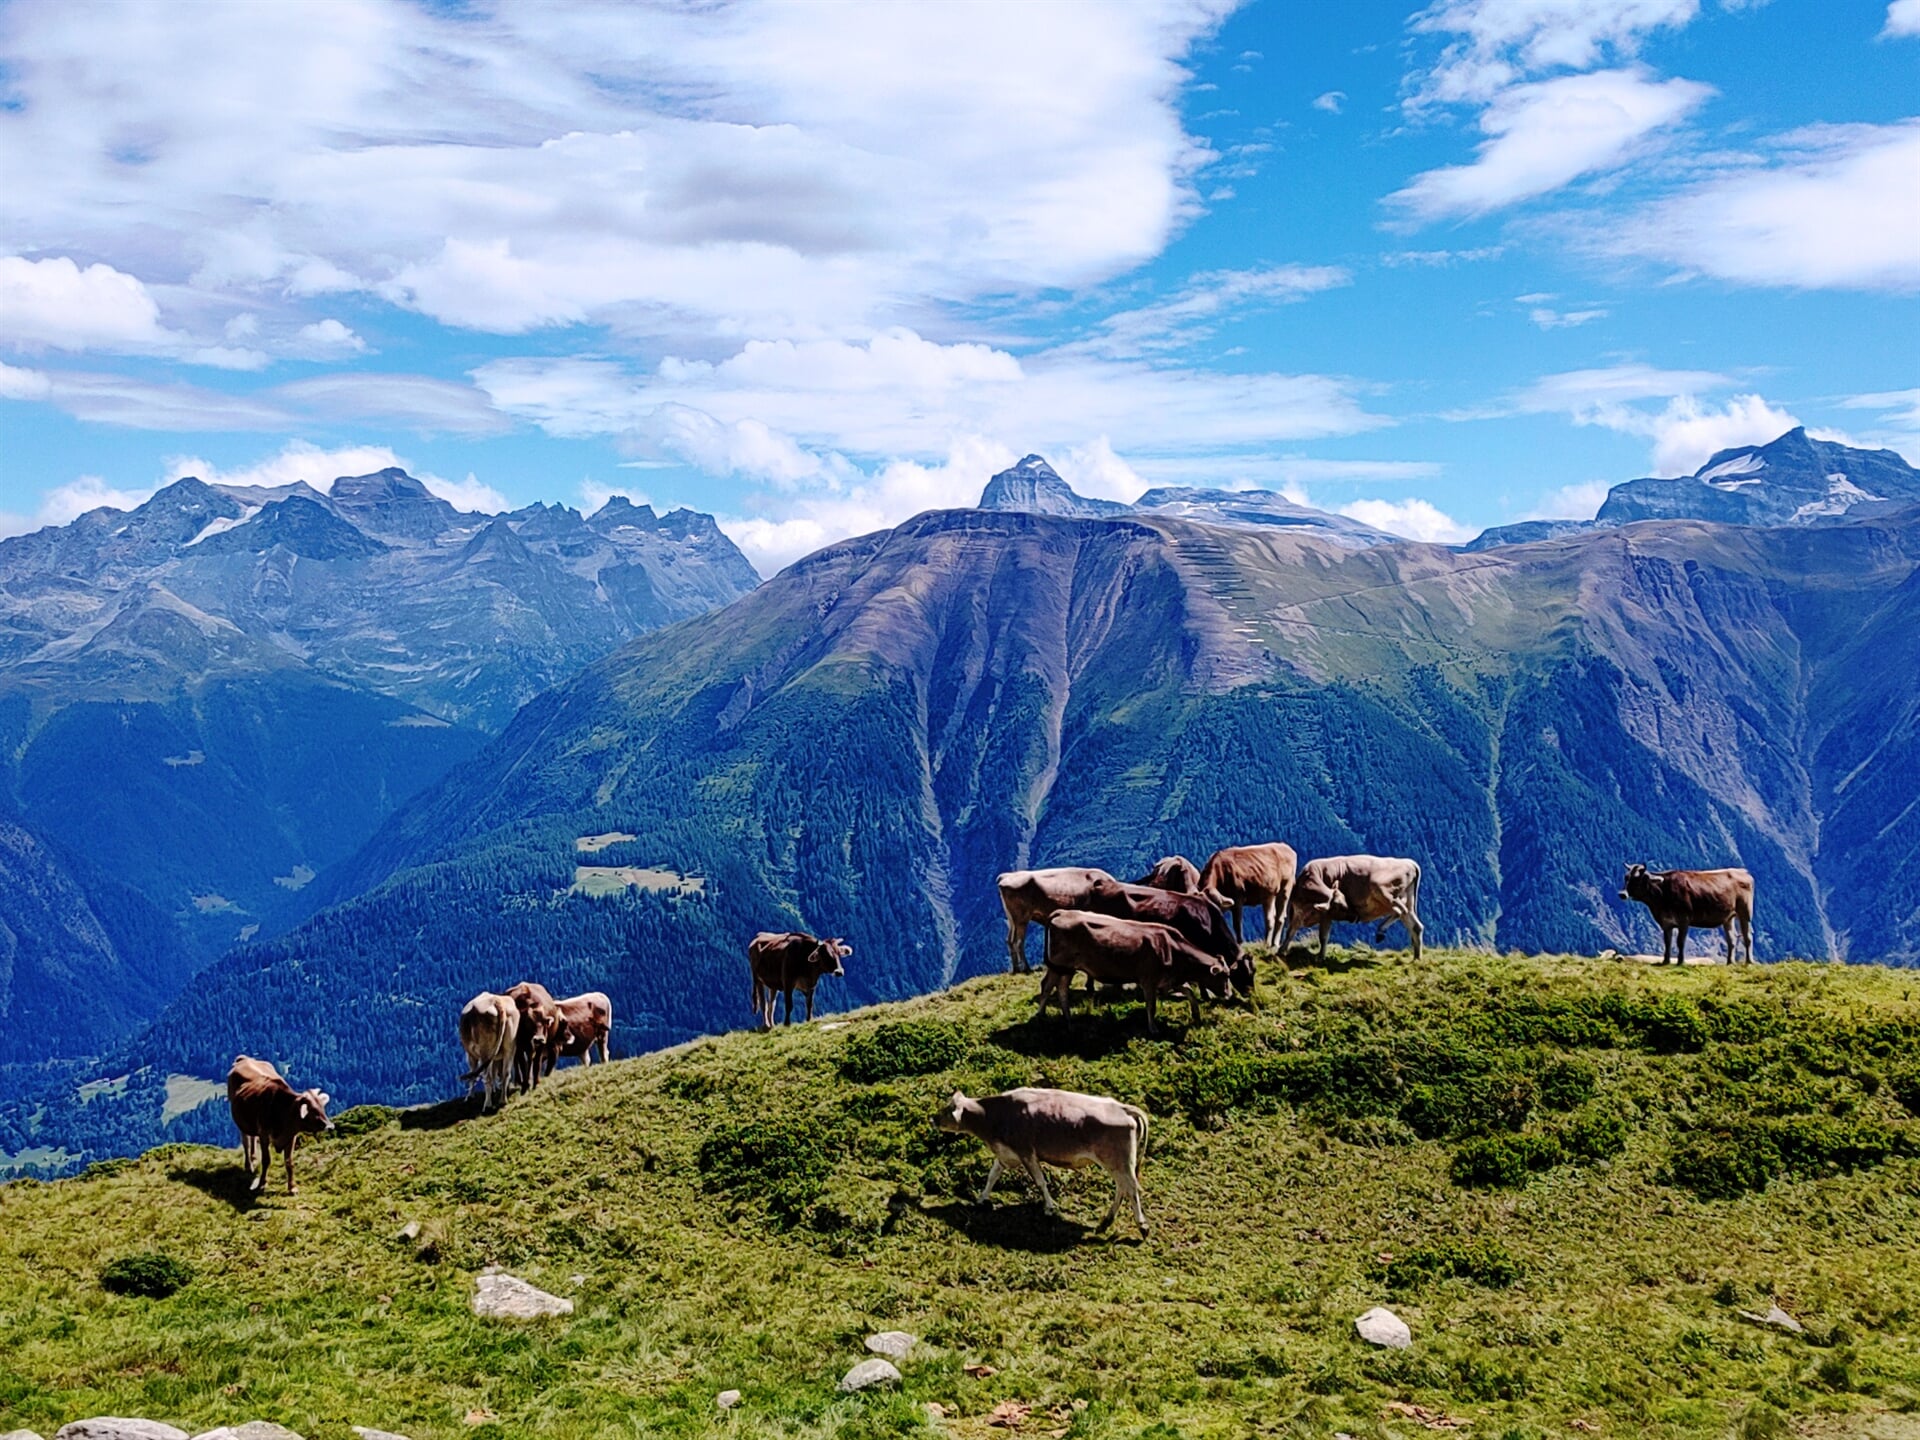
(1639, 883)
(952, 1115)
(310, 1112)
(828, 954)
(1240, 973)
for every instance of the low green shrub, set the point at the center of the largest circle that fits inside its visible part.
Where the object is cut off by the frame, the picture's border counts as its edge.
(1746, 1154)
(1904, 1084)
(150, 1274)
(903, 1047)
(364, 1119)
(1594, 1134)
(785, 1163)
(1484, 1262)
(1567, 1082)
(1504, 1161)
(1469, 1105)
(1726, 1164)
(100, 1169)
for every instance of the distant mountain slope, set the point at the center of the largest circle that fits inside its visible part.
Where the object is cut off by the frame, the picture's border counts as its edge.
(1794, 480)
(864, 742)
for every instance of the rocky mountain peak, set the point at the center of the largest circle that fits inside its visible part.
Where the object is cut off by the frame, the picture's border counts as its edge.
(392, 502)
(1035, 486)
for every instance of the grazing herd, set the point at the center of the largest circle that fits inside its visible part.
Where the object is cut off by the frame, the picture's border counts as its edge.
(1165, 936)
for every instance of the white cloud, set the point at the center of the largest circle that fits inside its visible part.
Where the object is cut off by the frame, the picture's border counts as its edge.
(1548, 318)
(470, 494)
(68, 502)
(1682, 432)
(1579, 501)
(1903, 19)
(1094, 469)
(1440, 259)
(300, 460)
(1548, 133)
(1208, 300)
(1833, 210)
(1415, 519)
(593, 495)
(56, 304)
(327, 339)
(1499, 42)
(19, 384)
(1332, 102)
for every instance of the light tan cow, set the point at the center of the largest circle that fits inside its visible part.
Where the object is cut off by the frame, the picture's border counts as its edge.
(1175, 873)
(1259, 875)
(271, 1115)
(585, 1021)
(490, 1034)
(1030, 896)
(1354, 889)
(1033, 1128)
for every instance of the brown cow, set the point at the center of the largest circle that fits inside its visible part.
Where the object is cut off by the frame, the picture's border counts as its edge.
(1108, 950)
(1175, 873)
(271, 1116)
(1259, 875)
(1353, 889)
(1196, 920)
(490, 1034)
(1032, 1128)
(783, 962)
(1030, 896)
(585, 1021)
(1682, 900)
(539, 1032)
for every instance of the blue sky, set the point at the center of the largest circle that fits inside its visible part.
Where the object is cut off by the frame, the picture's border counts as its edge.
(816, 267)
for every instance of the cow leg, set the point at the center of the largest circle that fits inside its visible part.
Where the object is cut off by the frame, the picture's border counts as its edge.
(1326, 929)
(1064, 985)
(1238, 933)
(1412, 922)
(1153, 1006)
(291, 1142)
(1193, 1001)
(1683, 945)
(1727, 931)
(1039, 1174)
(809, 1007)
(993, 1176)
(787, 1019)
(1272, 918)
(1017, 945)
(266, 1164)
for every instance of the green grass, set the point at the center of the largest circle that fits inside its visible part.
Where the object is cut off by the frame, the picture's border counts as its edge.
(744, 1210)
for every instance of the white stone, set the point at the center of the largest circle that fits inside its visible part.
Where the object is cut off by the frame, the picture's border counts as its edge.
(1380, 1326)
(870, 1372)
(727, 1399)
(892, 1342)
(1777, 1318)
(409, 1231)
(508, 1297)
(19, 1435)
(366, 1434)
(113, 1427)
(252, 1430)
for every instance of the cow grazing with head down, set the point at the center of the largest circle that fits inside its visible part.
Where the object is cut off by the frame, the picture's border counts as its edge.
(1030, 896)
(539, 1032)
(1356, 889)
(1175, 873)
(585, 1021)
(1112, 951)
(271, 1115)
(1259, 875)
(1683, 900)
(490, 1034)
(1194, 919)
(783, 962)
(1033, 1128)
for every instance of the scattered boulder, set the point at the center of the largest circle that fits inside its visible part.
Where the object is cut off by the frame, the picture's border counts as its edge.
(726, 1399)
(892, 1342)
(19, 1435)
(869, 1372)
(508, 1297)
(114, 1427)
(1380, 1326)
(1775, 1318)
(366, 1434)
(252, 1430)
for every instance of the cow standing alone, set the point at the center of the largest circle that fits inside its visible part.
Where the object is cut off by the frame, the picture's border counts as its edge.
(1353, 889)
(1260, 875)
(789, 961)
(271, 1116)
(1682, 900)
(585, 1021)
(1033, 1128)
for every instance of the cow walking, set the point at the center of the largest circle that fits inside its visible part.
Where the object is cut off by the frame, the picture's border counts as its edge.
(1354, 889)
(271, 1116)
(1030, 896)
(783, 962)
(1258, 875)
(585, 1021)
(1111, 951)
(1683, 900)
(490, 1034)
(1033, 1128)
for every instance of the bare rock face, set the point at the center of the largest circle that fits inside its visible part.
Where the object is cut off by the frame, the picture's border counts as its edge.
(115, 1427)
(896, 1343)
(869, 1373)
(508, 1297)
(1380, 1326)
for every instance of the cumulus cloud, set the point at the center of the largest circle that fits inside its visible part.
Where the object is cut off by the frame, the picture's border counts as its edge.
(1333, 102)
(1495, 43)
(1903, 19)
(1579, 501)
(54, 303)
(327, 339)
(1543, 135)
(19, 384)
(1683, 429)
(1830, 208)
(1415, 519)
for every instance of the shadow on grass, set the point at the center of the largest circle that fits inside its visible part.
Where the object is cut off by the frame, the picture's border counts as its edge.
(1340, 959)
(1097, 1030)
(1015, 1226)
(230, 1182)
(443, 1115)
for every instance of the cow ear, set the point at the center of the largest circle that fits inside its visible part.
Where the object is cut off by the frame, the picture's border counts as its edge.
(304, 1108)
(324, 1098)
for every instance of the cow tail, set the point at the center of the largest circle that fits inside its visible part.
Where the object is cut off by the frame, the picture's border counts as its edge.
(1140, 1125)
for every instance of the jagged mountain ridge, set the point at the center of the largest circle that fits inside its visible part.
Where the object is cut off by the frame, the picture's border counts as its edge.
(865, 741)
(1792, 480)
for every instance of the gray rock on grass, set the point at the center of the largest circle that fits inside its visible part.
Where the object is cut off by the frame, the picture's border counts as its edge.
(727, 1399)
(1380, 1326)
(116, 1427)
(1775, 1319)
(366, 1434)
(868, 1373)
(252, 1430)
(508, 1297)
(19, 1435)
(893, 1343)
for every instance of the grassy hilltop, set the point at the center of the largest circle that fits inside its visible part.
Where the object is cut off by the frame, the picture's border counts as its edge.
(1569, 1176)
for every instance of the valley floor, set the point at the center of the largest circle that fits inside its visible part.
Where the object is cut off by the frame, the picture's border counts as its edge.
(1568, 1176)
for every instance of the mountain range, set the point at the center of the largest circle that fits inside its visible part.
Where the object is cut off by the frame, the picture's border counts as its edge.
(861, 743)
(209, 702)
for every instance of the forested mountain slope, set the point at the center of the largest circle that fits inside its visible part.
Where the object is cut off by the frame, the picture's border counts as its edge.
(864, 742)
